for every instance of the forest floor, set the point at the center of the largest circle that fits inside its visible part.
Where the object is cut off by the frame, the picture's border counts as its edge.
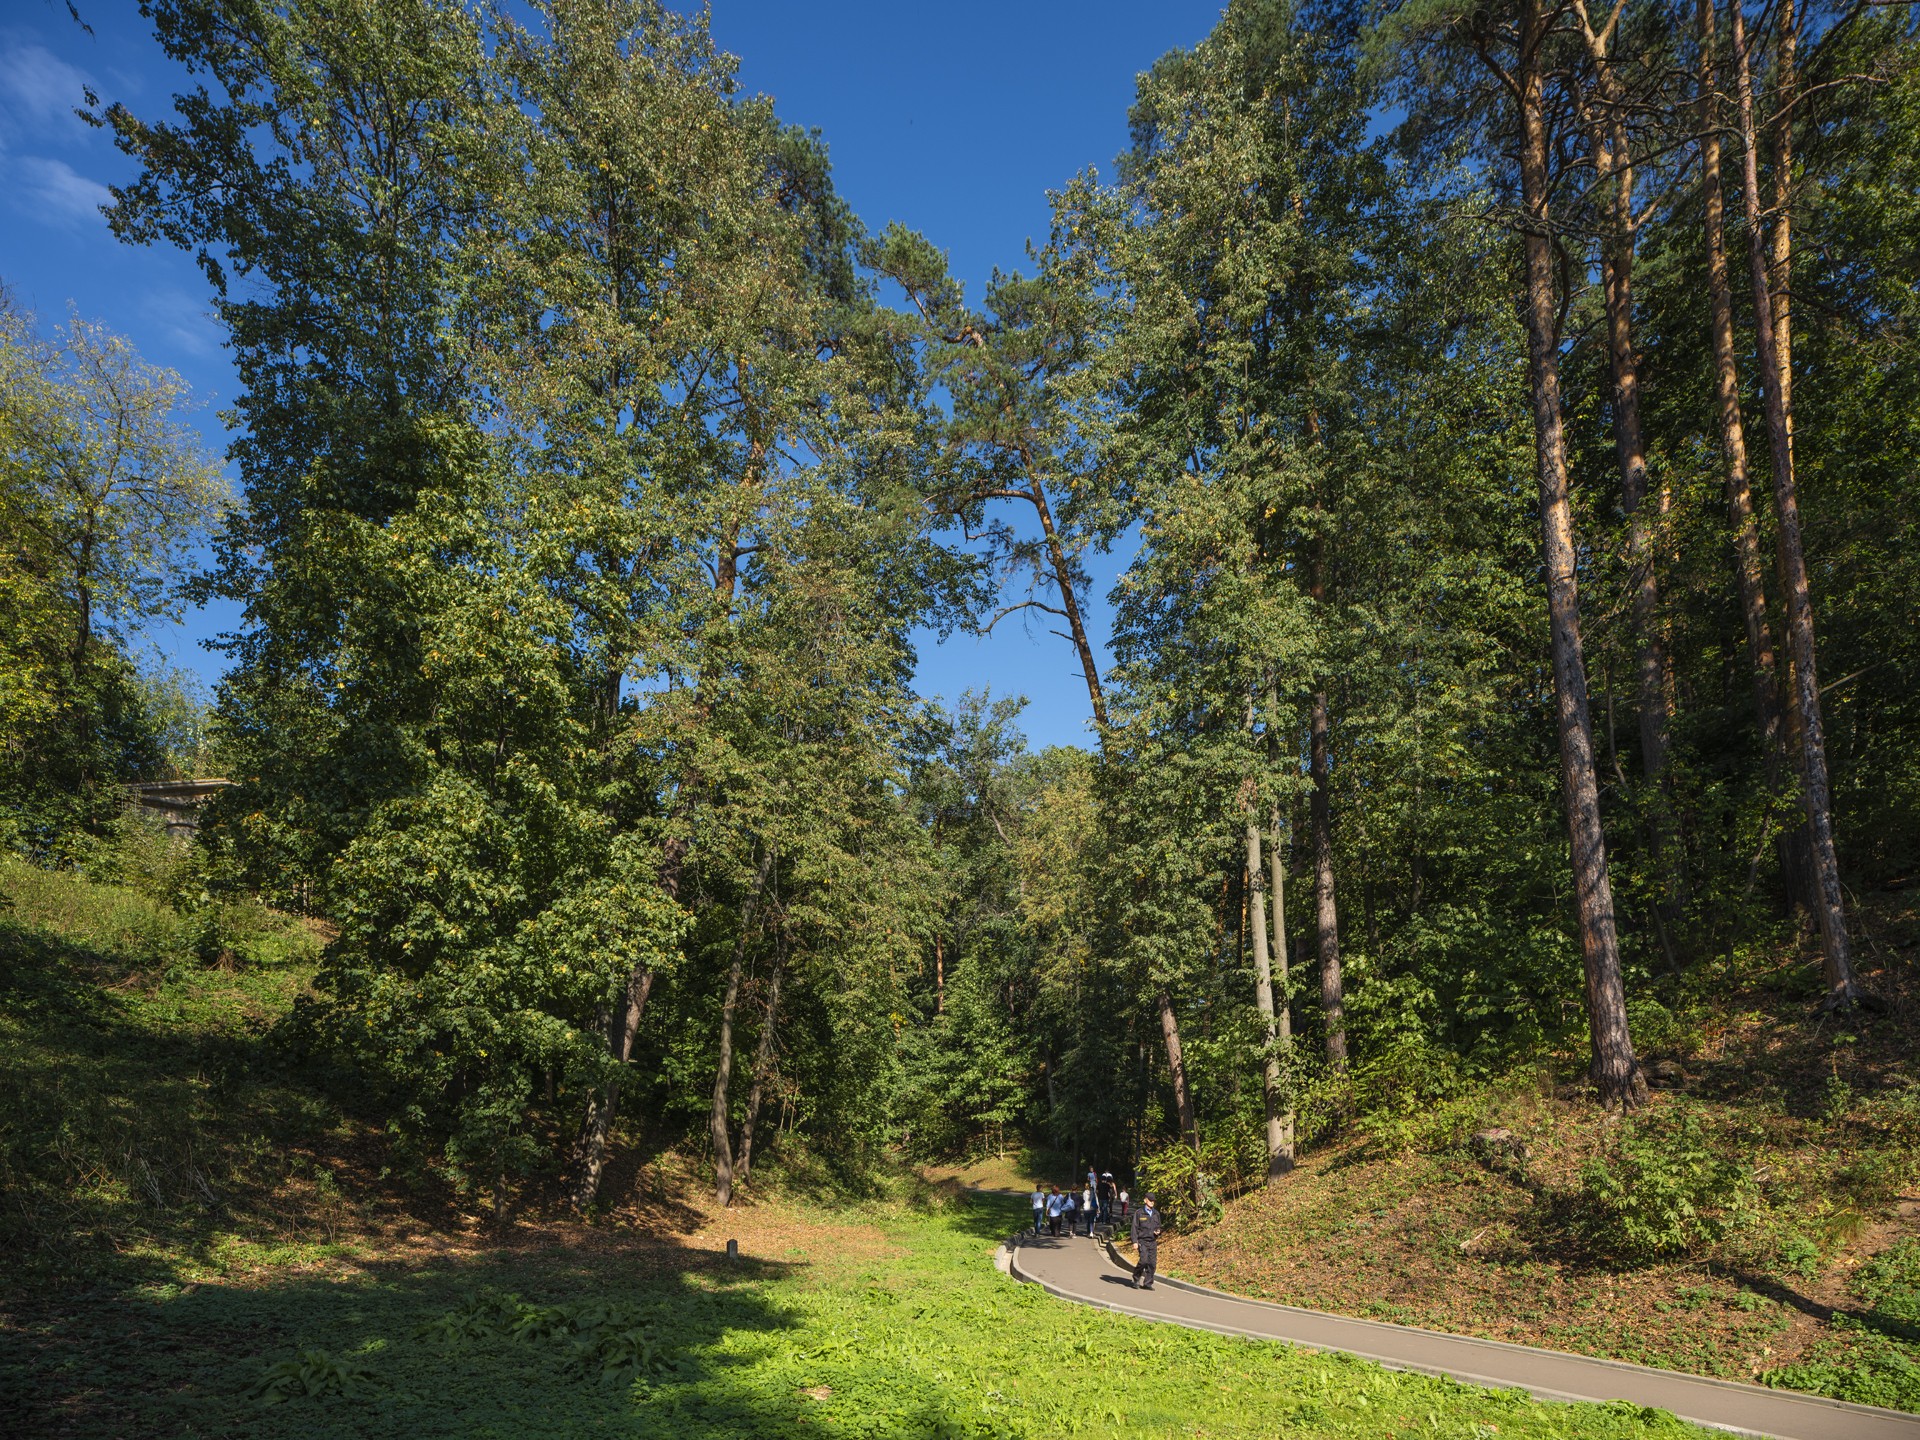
(1810, 1278)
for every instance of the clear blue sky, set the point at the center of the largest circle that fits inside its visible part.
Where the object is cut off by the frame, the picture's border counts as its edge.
(955, 120)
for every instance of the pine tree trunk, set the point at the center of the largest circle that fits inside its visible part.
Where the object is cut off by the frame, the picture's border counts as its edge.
(1069, 597)
(1283, 1004)
(1279, 1143)
(1182, 1096)
(1780, 266)
(1749, 566)
(1615, 1070)
(1612, 161)
(762, 1068)
(1829, 904)
(1326, 915)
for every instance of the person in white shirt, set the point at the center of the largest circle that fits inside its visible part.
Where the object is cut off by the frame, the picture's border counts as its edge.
(1039, 1208)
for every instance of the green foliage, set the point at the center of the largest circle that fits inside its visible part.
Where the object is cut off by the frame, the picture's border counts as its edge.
(313, 1374)
(104, 490)
(1661, 1186)
(606, 1342)
(1874, 1359)
(1228, 1165)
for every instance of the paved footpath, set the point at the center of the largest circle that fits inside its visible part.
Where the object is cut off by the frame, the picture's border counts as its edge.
(1082, 1270)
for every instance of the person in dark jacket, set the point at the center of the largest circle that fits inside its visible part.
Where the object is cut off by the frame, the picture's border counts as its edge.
(1146, 1240)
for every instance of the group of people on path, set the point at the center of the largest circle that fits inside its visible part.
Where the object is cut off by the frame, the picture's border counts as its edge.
(1101, 1202)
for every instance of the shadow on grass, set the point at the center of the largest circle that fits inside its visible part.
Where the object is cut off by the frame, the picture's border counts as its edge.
(125, 1122)
(985, 1215)
(176, 1359)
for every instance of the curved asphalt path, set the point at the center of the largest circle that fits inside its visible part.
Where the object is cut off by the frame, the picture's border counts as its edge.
(1082, 1270)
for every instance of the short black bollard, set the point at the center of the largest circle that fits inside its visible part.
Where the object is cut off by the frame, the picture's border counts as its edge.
(733, 1249)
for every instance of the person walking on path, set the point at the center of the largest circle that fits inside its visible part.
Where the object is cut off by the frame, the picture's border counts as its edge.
(1039, 1209)
(1070, 1209)
(1086, 1208)
(1146, 1242)
(1108, 1197)
(1054, 1202)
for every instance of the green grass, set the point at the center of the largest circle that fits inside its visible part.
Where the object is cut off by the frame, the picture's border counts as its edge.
(145, 1110)
(919, 1336)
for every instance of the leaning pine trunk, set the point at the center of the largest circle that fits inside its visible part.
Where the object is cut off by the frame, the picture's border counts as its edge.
(1613, 162)
(1843, 990)
(1749, 568)
(1615, 1070)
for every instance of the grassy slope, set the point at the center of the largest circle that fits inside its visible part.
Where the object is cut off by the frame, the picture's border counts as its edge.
(198, 1231)
(1814, 1281)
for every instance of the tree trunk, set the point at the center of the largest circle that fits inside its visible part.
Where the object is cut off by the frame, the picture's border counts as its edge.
(723, 1073)
(1615, 1070)
(1749, 567)
(1069, 599)
(1805, 881)
(1829, 904)
(762, 1068)
(1277, 891)
(1613, 162)
(1182, 1096)
(718, 1119)
(1283, 1003)
(1327, 917)
(1279, 1143)
(604, 1103)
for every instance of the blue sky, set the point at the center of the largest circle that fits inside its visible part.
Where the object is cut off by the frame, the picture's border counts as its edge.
(955, 120)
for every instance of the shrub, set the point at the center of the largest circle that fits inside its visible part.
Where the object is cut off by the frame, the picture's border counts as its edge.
(1226, 1165)
(1660, 1187)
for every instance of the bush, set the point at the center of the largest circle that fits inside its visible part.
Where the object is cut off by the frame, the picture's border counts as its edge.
(1660, 1187)
(1227, 1165)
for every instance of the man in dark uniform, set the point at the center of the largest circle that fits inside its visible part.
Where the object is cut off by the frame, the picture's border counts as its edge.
(1146, 1240)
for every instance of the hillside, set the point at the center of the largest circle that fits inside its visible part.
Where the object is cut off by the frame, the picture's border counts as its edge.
(1760, 1220)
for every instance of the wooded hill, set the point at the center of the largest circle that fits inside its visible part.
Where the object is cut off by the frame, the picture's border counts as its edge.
(1505, 418)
